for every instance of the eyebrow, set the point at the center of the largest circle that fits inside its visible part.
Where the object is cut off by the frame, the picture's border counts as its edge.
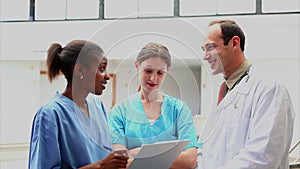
(207, 44)
(210, 44)
(150, 67)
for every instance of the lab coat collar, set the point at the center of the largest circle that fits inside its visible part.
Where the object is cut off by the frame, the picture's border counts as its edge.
(242, 88)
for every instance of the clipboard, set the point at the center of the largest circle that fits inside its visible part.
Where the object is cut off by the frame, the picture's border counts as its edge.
(158, 155)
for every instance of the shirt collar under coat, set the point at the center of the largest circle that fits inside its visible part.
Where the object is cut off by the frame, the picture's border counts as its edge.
(235, 77)
(243, 88)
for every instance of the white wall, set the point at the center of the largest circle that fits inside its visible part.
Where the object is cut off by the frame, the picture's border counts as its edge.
(272, 44)
(19, 101)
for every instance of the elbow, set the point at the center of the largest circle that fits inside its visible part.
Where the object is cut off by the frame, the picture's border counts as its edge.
(186, 160)
(191, 158)
(191, 163)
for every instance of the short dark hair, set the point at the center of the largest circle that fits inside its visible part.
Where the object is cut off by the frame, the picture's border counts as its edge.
(230, 29)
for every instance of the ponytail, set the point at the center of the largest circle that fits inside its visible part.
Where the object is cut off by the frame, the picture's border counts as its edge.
(54, 61)
(63, 60)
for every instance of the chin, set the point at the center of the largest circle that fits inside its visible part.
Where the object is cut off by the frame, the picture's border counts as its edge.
(214, 72)
(98, 92)
(151, 89)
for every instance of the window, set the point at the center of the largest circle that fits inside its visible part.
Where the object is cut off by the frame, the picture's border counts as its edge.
(82, 9)
(236, 6)
(50, 9)
(10, 11)
(138, 8)
(31, 10)
(66, 9)
(280, 6)
(154, 8)
(198, 7)
(120, 8)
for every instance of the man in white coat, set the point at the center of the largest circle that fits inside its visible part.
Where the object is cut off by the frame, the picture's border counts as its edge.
(252, 126)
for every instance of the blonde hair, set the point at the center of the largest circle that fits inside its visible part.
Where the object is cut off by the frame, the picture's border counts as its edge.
(154, 50)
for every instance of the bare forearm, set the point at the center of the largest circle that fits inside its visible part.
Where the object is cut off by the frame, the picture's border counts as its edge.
(186, 160)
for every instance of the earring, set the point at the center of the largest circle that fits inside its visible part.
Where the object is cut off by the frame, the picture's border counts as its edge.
(81, 77)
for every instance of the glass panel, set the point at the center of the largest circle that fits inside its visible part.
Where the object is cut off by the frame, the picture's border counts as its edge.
(79, 9)
(236, 6)
(280, 6)
(50, 9)
(120, 8)
(197, 7)
(156, 8)
(14, 10)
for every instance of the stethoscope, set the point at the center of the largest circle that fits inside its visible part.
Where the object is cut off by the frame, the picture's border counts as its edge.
(245, 75)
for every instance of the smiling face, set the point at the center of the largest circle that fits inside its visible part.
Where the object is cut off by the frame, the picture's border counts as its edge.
(215, 50)
(152, 72)
(96, 75)
(102, 76)
(224, 57)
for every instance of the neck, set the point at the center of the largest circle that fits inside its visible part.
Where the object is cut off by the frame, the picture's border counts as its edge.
(78, 95)
(152, 96)
(75, 94)
(235, 64)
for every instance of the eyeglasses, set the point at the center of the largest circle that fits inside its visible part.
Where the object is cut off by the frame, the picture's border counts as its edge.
(208, 47)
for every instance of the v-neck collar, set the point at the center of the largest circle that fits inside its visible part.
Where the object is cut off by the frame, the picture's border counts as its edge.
(137, 99)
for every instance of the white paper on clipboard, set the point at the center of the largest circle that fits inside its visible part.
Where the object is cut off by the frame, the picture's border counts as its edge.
(159, 155)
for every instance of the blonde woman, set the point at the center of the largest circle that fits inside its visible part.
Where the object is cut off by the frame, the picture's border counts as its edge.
(151, 116)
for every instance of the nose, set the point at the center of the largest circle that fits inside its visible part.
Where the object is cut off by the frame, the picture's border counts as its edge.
(153, 76)
(206, 56)
(107, 76)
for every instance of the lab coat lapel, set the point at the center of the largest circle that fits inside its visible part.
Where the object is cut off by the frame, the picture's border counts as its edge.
(243, 88)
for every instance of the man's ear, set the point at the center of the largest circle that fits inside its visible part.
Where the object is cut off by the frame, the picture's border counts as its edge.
(236, 41)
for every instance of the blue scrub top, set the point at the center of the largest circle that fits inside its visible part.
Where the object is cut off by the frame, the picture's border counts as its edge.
(130, 126)
(63, 137)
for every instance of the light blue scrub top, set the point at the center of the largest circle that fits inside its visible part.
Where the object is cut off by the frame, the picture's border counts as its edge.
(130, 127)
(62, 136)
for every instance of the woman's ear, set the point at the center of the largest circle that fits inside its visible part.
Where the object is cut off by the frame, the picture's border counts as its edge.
(78, 72)
(137, 65)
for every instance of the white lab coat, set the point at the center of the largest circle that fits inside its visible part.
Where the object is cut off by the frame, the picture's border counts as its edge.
(251, 128)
